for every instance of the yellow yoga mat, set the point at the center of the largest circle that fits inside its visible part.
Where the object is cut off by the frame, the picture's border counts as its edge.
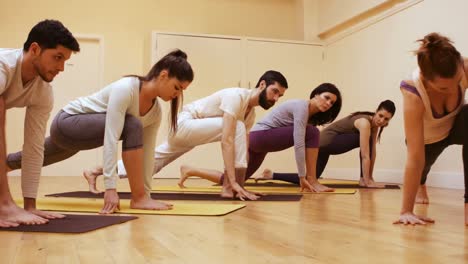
(95, 205)
(322, 181)
(259, 189)
(334, 181)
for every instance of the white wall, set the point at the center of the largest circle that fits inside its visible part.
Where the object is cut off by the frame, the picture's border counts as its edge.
(368, 66)
(333, 12)
(311, 14)
(126, 26)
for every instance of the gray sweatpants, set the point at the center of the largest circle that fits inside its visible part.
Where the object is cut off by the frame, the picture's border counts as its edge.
(71, 133)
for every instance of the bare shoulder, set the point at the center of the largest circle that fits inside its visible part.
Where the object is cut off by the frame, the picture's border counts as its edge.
(362, 123)
(409, 82)
(412, 103)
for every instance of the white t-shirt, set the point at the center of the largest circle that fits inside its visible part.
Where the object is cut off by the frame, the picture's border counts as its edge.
(233, 101)
(116, 100)
(38, 98)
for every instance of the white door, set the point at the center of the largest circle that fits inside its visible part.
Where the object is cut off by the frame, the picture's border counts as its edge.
(81, 77)
(217, 64)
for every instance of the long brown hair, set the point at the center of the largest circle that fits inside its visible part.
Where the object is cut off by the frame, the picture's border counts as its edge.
(177, 66)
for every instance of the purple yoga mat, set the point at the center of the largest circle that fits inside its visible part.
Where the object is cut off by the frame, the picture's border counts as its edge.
(73, 224)
(180, 196)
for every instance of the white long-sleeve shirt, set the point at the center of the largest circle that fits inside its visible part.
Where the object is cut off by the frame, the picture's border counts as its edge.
(116, 100)
(37, 97)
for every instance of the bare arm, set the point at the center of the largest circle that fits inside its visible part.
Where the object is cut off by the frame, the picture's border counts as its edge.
(3, 170)
(374, 153)
(247, 141)
(364, 128)
(413, 111)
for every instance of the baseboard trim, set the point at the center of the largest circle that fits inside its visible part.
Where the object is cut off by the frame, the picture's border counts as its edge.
(445, 179)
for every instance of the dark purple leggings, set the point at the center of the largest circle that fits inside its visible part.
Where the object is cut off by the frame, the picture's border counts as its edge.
(339, 145)
(276, 139)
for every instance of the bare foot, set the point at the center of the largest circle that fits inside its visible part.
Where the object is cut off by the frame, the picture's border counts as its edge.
(316, 186)
(5, 223)
(183, 176)
(46, 215)
(251, 196)
(421, 196)
(91, 176)
(267, 174)
(226, 191)
(370, 183)
(11, 213)
(149, 204)
(243, 194)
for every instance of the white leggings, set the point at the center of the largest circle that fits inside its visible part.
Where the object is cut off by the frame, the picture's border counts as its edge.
(193, 132)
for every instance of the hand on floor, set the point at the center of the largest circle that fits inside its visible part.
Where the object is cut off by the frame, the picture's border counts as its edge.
(412, 219)
(111, 202)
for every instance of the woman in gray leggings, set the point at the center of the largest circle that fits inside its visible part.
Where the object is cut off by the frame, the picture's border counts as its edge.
(126, 110)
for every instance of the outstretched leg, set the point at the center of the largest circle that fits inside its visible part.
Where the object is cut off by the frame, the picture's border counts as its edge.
(266, 174)
(188, 171)
(91, 175)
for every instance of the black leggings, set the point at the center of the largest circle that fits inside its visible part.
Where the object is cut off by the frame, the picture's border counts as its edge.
(458, 136)
(339, 145)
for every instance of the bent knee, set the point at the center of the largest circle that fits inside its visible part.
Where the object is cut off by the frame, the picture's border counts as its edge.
(312, 136)
(132, 133)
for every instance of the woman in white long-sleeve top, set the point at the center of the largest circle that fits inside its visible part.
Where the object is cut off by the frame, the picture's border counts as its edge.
(126, 110)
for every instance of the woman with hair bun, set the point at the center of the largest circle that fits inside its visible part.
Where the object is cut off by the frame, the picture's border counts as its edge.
(128, 110)
(435, 117)
(357, 130)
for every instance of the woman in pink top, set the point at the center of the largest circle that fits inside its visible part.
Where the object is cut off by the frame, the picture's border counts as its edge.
(435, 117)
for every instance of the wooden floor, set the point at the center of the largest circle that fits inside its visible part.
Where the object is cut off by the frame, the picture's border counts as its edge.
(319, 229)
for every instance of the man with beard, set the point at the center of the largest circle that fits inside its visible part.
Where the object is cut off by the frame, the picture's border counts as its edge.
(25, 75)
(226, 116)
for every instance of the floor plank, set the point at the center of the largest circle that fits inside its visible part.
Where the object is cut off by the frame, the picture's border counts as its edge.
(318, 229)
